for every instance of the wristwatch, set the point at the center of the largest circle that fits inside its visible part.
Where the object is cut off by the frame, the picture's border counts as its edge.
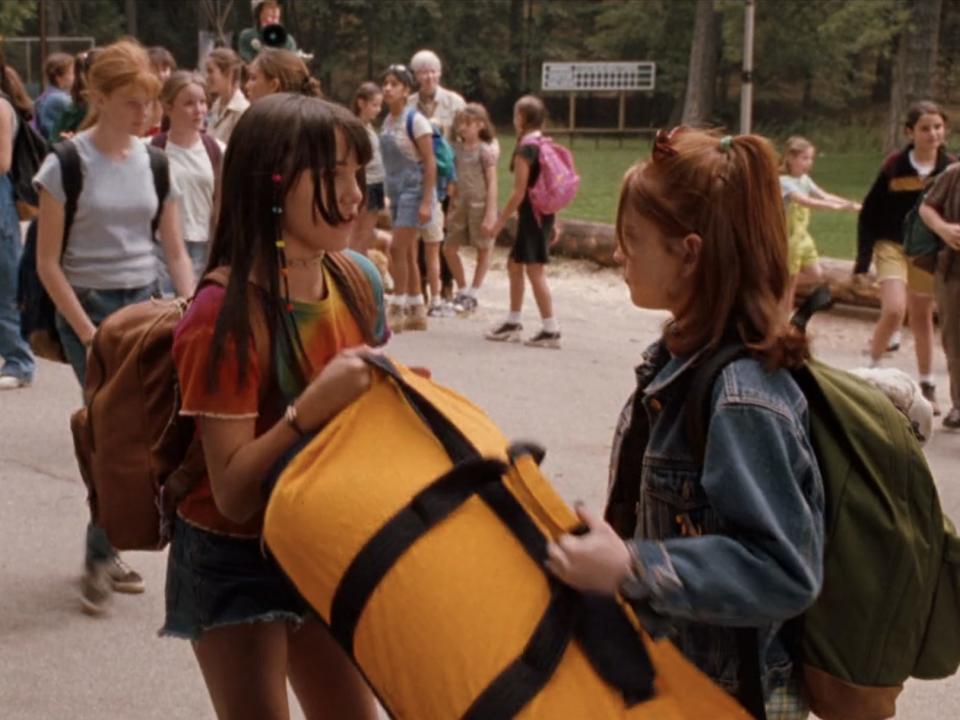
(290, 415)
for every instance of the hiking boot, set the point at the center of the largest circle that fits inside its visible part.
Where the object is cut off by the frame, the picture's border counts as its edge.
(415, 318)
(929, 392)
(395, 317)
(505, 332)
(544, 339)
(12, 382)
(95, 589)
(952, 420)
(123, 578)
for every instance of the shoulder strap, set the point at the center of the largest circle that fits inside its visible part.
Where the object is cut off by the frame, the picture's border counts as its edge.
(71, 173)
(159, 140)
(357, 292)
(408, 121)
(213, 152)
(698, 406)
(160, 169)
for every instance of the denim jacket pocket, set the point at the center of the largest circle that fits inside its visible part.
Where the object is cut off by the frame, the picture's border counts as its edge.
(673, 503)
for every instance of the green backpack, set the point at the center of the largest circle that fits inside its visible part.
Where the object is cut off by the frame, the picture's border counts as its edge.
(890, 604)
(920, 243)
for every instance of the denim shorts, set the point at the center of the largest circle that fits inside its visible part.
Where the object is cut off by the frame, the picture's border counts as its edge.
(215, 580)
(375, 197)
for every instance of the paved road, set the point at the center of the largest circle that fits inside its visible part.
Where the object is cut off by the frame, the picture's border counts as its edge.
(57, 663)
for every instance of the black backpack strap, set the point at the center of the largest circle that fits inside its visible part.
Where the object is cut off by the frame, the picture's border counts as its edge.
(699, 403)
(159, 141)
(160, 169)
(750, 690)
(71, 173)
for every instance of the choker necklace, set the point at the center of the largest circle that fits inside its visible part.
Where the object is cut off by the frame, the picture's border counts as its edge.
(306, 262)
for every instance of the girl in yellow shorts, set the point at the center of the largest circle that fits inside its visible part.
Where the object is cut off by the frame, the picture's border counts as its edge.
(800, 193)
(904, 288)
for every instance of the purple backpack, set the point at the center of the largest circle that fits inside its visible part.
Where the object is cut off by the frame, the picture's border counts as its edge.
(557, 184)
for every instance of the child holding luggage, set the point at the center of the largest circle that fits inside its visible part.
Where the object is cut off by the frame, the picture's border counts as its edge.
(473, 211)
(107, 261)
(529, 254)
(737, 540)
(297, 162)
(904, 288)
(800, 193)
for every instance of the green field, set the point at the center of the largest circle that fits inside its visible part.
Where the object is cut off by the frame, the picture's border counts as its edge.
(602, 166)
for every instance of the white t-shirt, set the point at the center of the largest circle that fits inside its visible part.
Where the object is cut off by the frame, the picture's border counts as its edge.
(442, 110)
(375, 171)
(802, 185)
(398, 130)
(110, 245)
(192, 172)
(923, 169)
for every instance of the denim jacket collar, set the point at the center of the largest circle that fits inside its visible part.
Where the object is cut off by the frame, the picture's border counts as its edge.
(656, 357)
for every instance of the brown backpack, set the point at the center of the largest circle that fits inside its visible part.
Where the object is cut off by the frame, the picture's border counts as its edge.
(137, 455)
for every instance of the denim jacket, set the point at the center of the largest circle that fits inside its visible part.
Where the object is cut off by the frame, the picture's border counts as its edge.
(738, 542)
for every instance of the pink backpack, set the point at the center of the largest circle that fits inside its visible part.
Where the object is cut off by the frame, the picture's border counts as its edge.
(558, 181)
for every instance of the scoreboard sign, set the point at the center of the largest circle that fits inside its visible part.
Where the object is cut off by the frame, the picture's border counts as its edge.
(599, 76)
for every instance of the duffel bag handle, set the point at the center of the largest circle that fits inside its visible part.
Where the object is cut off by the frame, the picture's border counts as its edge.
(456, 444)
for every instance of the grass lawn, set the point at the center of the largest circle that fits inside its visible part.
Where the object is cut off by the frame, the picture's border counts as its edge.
(601, 167)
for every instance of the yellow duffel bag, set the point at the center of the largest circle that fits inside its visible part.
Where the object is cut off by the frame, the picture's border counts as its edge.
(418, 536)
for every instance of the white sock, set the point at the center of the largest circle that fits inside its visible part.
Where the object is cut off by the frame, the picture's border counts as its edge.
(514, 318)
(550, 325)
(470, 292)
(398, 300)
(926, 378)
(414, 300)
(895, 338)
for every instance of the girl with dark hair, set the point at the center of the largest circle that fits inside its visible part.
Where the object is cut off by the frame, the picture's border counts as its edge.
(406, 139)
(274, 71)
(530, 248)
(18, 362)
(367, 104)
(734, 541)
(905, 289)
(298, 164)
(72, 118)
(223, 67)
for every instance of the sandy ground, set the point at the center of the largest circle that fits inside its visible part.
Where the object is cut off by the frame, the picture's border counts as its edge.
(57, 663)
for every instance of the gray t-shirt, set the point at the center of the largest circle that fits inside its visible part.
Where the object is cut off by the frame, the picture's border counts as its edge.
(375, 171)
(110, 245)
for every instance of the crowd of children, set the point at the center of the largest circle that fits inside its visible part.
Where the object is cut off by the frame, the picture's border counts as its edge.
(314, 179)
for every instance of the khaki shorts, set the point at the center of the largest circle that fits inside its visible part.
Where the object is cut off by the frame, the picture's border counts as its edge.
(801, 252)
(432, 232)
(893, 264)
(465, 225)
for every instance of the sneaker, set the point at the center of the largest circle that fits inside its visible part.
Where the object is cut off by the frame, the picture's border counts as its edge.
(952, 420)
(123, 578)
(415, 318)
(465, 303)
(395, 317)
(442, 308)
(544, 339)
(894, 345)
(505, 332)
(12, 382)
(95, 589)
(929, 392)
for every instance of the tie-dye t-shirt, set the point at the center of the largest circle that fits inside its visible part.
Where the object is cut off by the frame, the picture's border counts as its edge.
(325, 327)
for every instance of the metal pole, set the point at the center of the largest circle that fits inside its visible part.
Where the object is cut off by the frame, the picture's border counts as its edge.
(43, 41)
(746, 87)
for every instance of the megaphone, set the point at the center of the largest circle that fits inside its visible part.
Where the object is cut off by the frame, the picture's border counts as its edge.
(274, 36)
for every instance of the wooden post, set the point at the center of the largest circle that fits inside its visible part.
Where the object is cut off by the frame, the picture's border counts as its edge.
(746, 87)
(43, 45)
(622, 116)
(573, 115)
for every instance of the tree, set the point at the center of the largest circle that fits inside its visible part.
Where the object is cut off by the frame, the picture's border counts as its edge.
(914, 73)
(702, 70)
